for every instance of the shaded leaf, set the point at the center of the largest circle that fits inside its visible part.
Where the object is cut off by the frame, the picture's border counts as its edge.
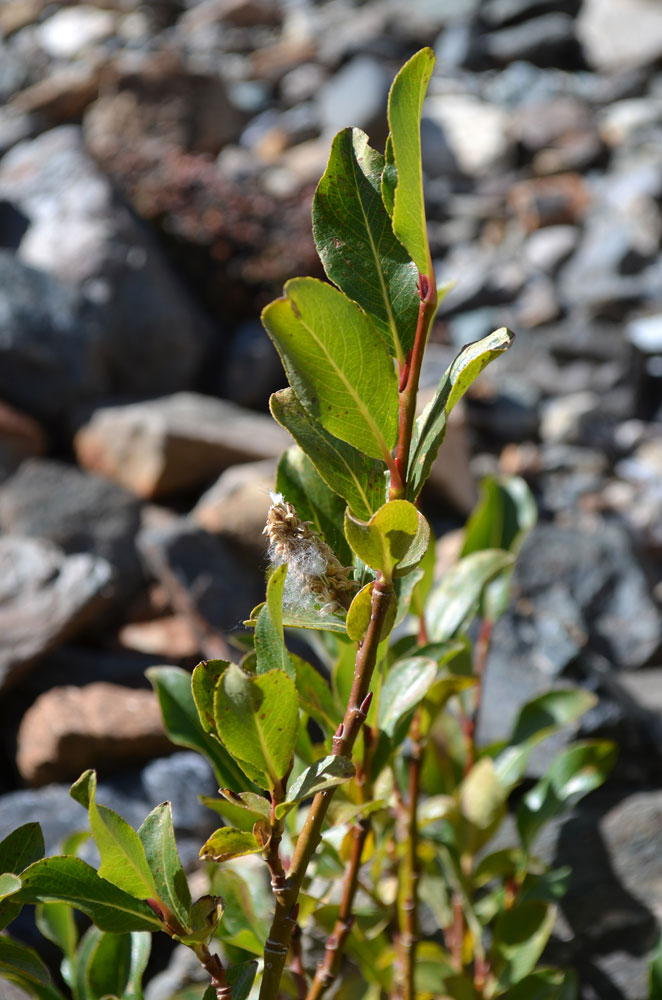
(257, 719)
(453, 602)
(405, 686)
(482, 796)
(23, 966)
(430, 426)
(337, 364)
(182, 723)
(22, 847)
(203, 684)
(270, 646)
(405, 105)
(241, 810)
(240, 979)
(300, 483)
(545, 984)
(520, 934)
(315, 696)
(103, 964)
(56, 922)
(206, 915)
(158, 839)
(356, 243)
(358, 479)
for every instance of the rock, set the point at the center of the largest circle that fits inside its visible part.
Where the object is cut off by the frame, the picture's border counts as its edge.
(544, 41)
(251, 367)
(182, 970)
(124, 324)
(170, 445)
(17, 14)
(355, 94)
(63, 95)
(158, 105)
(498, 13)
(170, 637)
(236, 506)
(204, 579)
(21, 437)
(562, 417)
(100, 725)
(84, 513)
(45, 599)
(645, 333)
(239, 13)
(503, 412)
(546, 249)
(619, 34)
(549, 201)
(68, 31)
(78, 664)
(178, 779)
(476, 132)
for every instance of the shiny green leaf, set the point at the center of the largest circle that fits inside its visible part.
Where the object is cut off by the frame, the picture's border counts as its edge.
(228, 843)
(326, 773)
(337, 364)
(158, 839)
(453, 602)
(405, 686)
(356, 243)
(405, 105)
(360, 610)
(270, 647)
(203, 684)
(396, 533)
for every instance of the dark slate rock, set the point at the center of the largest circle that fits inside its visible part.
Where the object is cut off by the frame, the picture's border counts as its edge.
(544, 41)
(83, 513)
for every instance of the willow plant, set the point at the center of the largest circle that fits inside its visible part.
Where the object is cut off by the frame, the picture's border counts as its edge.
(357, 803)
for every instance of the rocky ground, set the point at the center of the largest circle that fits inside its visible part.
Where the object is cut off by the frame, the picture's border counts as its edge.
(157, 165)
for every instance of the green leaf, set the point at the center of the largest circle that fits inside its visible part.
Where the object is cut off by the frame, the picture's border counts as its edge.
(245, 923)
(103, 964)
(23, 966)
(70, 880)
(405, 686)
(389, 177)
(655, 974)
(122, 854)
(240, 979)
(56, 922)
(206, 915)
(315, 696)
(482, 796)
(537, 720)
(258, 718)
(228, 843)
(546, 984)
(358, 479)
(453, 602)
(141, 946)
(405, 104)
(326, 773)
(356, 243)
(394, 534)
(182, 723)
(300, 483)
(158, 839)
(520, 934)
(241, 810)
(358, 616)
(308, 617)
(269, 640)
(9, 884)
(203, 684)
(22, 847)
(575, 772)
(430, 426)
(337, 364)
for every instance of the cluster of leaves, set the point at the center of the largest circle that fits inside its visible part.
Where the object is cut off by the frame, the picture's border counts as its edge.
(380, 732)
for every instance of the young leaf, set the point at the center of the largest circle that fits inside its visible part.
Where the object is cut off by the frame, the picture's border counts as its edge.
(356, 243)
(537, 720)
(337, 364)
(358, 479)
(72, 881)
(206, 915)
(326, 773)
(228, 843)
(203, 684)
(23, 966)
(405, 686)
(360, 610)
(405, 105)
(574, 773)
(103, 964)
(430, 427)
(182, 723)
(270, 646)
(453, 602)
(300, 483)
(395, 534)
(520, 934)
(158, 839)
(123, 860)
(257, 719)
(242, 810)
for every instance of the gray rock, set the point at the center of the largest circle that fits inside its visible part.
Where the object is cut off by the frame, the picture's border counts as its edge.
(84, 513)
(143, 333)
(251, 367)
(498, 13)
(561, 418)
(45, 599)
(545, 41)
(619, 34)
(203, 577)
(166, 446)
(546, 249)
(476, 132)
(355, 95)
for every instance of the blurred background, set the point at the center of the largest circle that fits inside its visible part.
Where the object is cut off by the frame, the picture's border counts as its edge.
(157, 165)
